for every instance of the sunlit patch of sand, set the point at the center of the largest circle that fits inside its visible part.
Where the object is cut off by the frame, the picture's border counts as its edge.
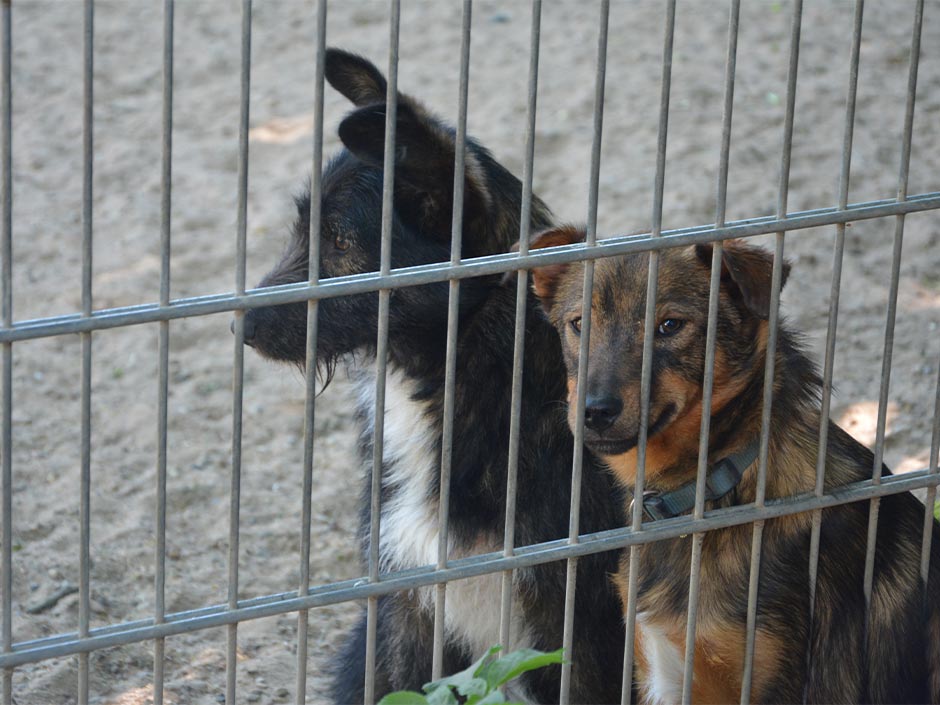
(135, 696)
(860, 420)
(282, 130)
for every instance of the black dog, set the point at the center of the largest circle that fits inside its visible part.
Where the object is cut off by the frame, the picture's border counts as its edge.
(350, 232)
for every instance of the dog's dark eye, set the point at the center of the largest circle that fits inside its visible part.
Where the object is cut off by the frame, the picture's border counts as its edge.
(341, 243)
(670, 326)
(576, 325)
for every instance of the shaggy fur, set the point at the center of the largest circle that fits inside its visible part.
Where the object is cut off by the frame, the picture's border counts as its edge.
(350, 232)
(896, 656)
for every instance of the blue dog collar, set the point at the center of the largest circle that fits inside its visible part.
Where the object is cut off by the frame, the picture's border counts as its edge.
(721, 478)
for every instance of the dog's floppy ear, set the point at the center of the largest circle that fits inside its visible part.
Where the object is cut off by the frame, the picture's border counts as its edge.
(424, 166)
(355, 77)
(747, 272)
(545, 279)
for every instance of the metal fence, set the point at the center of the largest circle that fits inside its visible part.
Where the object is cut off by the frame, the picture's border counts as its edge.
(309, 596)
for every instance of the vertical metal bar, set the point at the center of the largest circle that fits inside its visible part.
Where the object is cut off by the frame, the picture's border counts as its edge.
(85, 482)
(453, 302)
(6, 302)
(771, 354)
(522, 294)
(932, 490)
(163, 351)
(714, 288)
(574, 515)
(310, 363)
(839, 247)
(381, 354)
(652, 283)
(238, 373)
(704, 431)
(892, 306)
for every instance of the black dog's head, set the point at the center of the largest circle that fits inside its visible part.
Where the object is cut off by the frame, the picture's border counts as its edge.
(612, 406)
(350, 225)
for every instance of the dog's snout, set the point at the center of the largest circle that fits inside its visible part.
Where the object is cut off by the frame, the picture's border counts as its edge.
(601, 412)
(250, 327)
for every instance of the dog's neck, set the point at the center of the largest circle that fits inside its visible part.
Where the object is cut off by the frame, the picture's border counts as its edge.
(672, 455)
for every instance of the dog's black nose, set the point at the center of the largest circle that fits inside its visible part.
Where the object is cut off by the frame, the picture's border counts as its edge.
(600, 413)
(250, 328)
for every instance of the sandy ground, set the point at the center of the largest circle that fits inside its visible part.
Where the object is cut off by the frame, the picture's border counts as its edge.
(47, 246)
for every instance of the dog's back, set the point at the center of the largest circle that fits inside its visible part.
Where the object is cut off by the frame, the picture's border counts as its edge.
(898, 659)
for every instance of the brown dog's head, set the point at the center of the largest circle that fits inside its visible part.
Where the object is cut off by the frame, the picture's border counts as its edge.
(612, 407)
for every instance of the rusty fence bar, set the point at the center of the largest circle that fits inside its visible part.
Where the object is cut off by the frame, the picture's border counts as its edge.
(435, 576)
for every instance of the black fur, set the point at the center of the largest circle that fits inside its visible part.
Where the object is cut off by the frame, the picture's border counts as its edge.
(350, 243)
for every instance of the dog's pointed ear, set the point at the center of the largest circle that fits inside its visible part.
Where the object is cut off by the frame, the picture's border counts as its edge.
(545, 279)
(747, 272)
(355, 77)
(424, 167)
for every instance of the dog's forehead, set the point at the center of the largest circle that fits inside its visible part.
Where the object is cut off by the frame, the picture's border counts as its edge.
(351, 195)
(347, 181)
(620, 283)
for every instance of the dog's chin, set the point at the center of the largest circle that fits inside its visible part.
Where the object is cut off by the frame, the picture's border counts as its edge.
(610, 446)
(618, 446)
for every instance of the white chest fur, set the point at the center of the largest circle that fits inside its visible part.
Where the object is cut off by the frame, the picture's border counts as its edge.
(665, 667)
(409, 530)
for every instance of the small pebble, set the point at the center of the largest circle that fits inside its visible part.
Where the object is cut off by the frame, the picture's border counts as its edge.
(282, 693)
(254, 696)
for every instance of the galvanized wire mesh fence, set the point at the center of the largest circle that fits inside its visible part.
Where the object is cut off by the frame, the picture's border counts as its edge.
(376, 583)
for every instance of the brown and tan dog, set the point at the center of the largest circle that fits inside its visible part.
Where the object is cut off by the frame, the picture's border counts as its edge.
(898, 660)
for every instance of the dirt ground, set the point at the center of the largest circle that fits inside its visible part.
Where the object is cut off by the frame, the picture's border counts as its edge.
(47, 95)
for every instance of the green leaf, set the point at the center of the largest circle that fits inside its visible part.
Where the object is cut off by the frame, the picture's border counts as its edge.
(464, 677)
(404, 697)
(936, 511)
(495, 696)
(518, 662)
(474, 687)
(441, 696)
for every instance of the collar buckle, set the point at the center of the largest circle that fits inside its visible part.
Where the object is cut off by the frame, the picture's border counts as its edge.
(653, 506)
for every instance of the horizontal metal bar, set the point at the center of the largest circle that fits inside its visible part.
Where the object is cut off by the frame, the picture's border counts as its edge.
(614, 539)
(444, 271)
